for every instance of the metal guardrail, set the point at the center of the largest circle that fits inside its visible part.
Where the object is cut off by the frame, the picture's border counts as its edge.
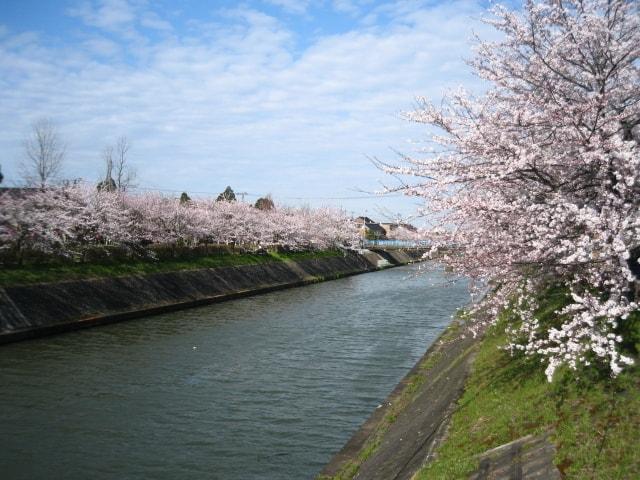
(396, 243)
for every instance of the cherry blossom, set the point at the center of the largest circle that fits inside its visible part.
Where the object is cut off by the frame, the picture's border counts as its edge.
(64, 220)
(538, 179)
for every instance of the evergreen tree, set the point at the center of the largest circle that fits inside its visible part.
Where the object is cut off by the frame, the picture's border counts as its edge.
(264, 203)
(227, 195)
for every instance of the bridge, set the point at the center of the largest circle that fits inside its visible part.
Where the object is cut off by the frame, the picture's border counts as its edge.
(392, 244)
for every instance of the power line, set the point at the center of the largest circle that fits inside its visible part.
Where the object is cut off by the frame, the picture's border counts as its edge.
(344, 198)
(359, 197)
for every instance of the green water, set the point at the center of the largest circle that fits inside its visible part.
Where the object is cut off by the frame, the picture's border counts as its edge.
(267, 387)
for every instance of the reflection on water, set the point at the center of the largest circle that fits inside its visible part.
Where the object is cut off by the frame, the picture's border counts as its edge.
(267, 387)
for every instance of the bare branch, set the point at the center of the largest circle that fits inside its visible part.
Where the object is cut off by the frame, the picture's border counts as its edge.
(44, 154)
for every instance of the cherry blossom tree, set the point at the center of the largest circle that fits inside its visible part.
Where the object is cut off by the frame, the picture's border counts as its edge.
(66, 220)
(538, 180)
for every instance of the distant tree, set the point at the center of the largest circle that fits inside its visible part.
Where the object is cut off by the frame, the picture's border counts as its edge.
(71, 182)
(44, 154)
(226, 196)
(184, 198)
(65, 220)
(108, 184)
(371, 235)
(125, 175)
(1, 176)
(265, 203)
(119, 174)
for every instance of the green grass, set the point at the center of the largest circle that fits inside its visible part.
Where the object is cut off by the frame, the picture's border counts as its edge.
(52, 273)
(595, 419)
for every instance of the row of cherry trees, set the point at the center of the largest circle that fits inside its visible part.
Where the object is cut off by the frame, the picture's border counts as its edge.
(539, 179)
(65, 220)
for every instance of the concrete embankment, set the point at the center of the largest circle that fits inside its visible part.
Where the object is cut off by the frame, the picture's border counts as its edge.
(401, 435)
(28, 311)
(404, 434)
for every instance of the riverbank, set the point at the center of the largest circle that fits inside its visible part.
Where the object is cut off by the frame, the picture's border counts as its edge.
(590, 422)
(405, 429)
(469, 409)
(224, 257)
(29, 310)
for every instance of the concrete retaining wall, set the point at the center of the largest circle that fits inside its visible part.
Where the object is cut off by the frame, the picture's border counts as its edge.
(41, 309)
(396, 257)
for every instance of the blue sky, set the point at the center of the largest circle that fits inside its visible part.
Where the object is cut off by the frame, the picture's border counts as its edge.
(269, 96)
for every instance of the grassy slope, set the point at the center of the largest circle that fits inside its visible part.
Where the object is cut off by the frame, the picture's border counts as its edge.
(52, 273)
(596, 419)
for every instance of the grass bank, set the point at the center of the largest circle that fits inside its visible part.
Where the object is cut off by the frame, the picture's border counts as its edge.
(595, 419)
(76, 271)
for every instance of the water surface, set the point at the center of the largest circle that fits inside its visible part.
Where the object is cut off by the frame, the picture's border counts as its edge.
(267, 387)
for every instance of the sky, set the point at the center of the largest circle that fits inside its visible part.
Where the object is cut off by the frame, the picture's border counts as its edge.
(282, 97)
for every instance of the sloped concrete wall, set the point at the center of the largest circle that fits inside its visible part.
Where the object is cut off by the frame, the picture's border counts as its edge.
(399, 257)
(34, 310)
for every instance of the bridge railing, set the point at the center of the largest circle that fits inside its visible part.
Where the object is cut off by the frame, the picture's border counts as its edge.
(396, 243)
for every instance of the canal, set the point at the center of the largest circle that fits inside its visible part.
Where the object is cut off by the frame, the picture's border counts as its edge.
(267, 387)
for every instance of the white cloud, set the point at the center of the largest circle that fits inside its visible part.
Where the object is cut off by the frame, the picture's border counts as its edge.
(152, 20)
(111, 15)
(291, 6)
(102, 46)
(230, 103)
(350, 7)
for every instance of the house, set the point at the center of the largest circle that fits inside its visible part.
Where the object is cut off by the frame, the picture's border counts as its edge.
(363, 220)
(390, 228)
(369, 229)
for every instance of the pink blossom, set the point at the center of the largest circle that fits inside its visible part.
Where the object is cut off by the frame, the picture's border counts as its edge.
(539, 178)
